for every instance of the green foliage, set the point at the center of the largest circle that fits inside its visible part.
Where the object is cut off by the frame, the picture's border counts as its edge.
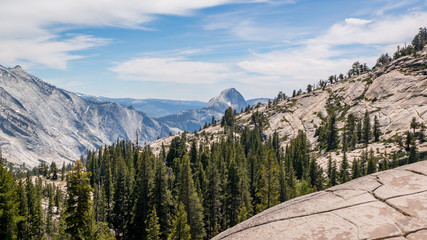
(372, 163)
(79, 217)
(376, 129)
(268, 183)
(153, 226)
(161, 198)
(180, 228)
(8, 203)
(333, 177)
(298, 152)
(188, 196)
(413, 152)
(366, 130)
(328, 133)
(344, 174)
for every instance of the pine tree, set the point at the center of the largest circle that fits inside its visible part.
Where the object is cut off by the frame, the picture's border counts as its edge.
(394, 161)
(282, 183)
(122, 201)
(23, 227)
(188, 196)
(193, 156)
(290, 178)
(268, 183)
(359, 131)
(232, 197)
(36, 218)
(161, 198)
(53, 171)
(414, 124)
(49, 215)
(372, 164)
(332, 134)
(303, 188)
(316, 175)
(243, 213)
(79, 217)
(63, 171)
(355, 169)
(344, 175)
(376, 129)
(329, 169)
(413, 155)
(58, 199)
(142, 190)
(180, 230)
(333, 177)
(350, 131)
(99, 203)
(421, 135)
(366, 134)
(153, 226)
(212, 202)
(8, 203)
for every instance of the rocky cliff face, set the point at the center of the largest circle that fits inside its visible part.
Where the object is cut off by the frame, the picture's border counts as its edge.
(39, 122)
(386, 205)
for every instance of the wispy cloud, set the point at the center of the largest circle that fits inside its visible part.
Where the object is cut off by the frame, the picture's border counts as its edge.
(172, 70)
(260, 23)
(390, 5)
(324, 55)
(32, 31)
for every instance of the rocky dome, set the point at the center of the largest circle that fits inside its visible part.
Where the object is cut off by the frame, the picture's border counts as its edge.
(228, 98)
(385, 205)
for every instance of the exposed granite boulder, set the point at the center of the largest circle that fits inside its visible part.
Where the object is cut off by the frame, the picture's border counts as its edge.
(385, 205)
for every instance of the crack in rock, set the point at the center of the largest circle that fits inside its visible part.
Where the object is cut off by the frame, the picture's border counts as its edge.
(416, 172)
(385, 200)
(351, 222)
(296, 217)
(404, 195)
(335, 194)
(412, 232)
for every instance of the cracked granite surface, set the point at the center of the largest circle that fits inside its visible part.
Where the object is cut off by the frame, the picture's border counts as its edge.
(385, 205)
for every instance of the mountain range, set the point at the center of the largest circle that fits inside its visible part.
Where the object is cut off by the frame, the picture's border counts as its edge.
(157, 108)
(152, 107)
(40, 122)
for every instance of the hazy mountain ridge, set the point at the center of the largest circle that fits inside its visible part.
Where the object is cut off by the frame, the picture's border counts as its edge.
(186, 118)
(152, 107)
(192, 120)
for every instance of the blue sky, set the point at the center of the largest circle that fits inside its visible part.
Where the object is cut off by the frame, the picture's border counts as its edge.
(193, 49)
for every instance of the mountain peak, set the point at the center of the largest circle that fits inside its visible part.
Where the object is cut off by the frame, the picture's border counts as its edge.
(229, 97)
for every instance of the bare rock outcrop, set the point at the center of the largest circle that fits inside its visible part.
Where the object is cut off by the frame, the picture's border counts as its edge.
(394, 94)
(385, 205)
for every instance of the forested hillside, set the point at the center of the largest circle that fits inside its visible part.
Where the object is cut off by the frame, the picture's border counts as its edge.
(195, 185)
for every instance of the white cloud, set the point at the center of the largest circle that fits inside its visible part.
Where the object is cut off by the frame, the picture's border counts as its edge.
(31, 31)
(393, 5)
(172, 70)
(252, 26)
(322, 56)
(46, 51)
